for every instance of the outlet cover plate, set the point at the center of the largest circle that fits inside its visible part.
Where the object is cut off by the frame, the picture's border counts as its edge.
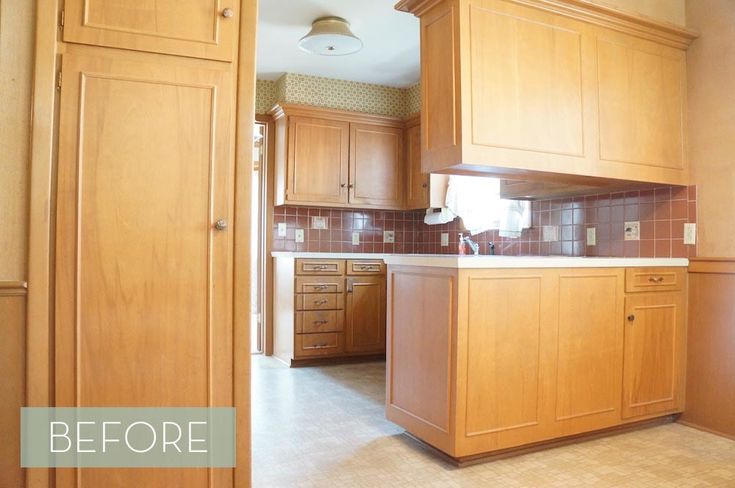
(550, 233)
(319, 223)
(690, 234)
(444, 239)
(282, 227)
(299, 235)
(355, 238)
(591, 236)
(389, 236)
(632, 231)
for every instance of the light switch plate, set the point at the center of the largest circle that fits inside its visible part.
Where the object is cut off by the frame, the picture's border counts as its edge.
(319, 223)
(632, 231)
(550, 233)
(299, 235)
(591, 236)
(389, 236)
(690, 234)
(445, 239)
(355, 238)
(282, 229)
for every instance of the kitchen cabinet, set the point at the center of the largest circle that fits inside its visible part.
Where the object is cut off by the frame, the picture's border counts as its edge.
(145, 168)
(655, 346)
(338, 159)
(569, 92)
(328, 309)
(484, 360)
(185, 28)
(423, 190)
(365, 324)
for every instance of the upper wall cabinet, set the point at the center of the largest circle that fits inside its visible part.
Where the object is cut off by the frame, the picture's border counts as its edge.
(338, 159)
(196, 28)
(566, 89)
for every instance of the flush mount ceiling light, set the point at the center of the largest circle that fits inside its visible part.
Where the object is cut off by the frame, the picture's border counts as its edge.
(330, 36)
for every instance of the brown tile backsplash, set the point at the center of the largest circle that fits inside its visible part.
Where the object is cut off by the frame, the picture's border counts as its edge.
(662, 213)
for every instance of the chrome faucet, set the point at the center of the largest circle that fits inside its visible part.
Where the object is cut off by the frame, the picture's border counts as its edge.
(473, 245)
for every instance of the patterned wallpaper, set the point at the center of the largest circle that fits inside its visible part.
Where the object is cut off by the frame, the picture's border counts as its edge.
(413, 99)
(337, 94)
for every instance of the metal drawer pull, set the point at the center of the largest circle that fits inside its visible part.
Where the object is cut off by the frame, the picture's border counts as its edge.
(320, 322)
(321, 302)
(320, 346)
(320, 287)
(368, 267)
(657, 279)
(319, 267)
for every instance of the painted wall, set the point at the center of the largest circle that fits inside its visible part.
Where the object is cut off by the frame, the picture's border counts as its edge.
(711, 71)
(337, 94)
(667, 10)
(16, 43)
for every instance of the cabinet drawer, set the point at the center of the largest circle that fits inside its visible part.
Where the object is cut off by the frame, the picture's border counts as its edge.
(327, 344)
(320, 267)
(320, 321)
(320, 301)
(317, 284)
(654, 279)
(365, 267)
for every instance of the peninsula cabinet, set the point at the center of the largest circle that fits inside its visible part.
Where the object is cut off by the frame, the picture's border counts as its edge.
(551, 89)
(328, 309)
(338, 159)
(186, 28)
(483, 360)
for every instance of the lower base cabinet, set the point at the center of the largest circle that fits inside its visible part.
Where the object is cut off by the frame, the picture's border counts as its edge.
(491, 359)
(328, 309)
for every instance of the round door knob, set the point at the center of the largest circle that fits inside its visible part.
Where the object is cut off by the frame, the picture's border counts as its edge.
(631, 318)
(227, 13)
(221, 224)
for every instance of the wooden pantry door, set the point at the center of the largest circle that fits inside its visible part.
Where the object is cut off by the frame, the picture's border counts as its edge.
(197, 28)
(144, 280)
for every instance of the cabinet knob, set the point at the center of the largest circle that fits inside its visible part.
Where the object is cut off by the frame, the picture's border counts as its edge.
(343, 185)
(221, 224)
(631, 318)
(350, 186)
(425, 185)
(227, 13)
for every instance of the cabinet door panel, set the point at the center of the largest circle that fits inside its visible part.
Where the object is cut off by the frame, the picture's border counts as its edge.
(195, 28)
(143, 281)
(318, 152)
(654, 338)
(417, 182)
(376, 166)
(589, 370)
(365, 314)
(526, 69)
(642, 102)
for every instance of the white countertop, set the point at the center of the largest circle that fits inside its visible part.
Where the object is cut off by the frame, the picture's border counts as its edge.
(465, 262)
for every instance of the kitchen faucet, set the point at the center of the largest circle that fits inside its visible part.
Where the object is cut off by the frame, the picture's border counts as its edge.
(473, 245)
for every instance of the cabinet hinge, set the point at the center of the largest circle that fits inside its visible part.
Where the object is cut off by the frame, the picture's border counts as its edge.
(61, 18)
(58, 80)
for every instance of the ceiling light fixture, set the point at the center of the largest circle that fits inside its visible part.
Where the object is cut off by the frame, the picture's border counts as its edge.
(330, 36)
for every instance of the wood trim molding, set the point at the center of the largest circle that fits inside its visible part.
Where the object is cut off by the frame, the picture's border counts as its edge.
(412, 120)
(282, 110)
(592, 13)
(712, 265)
(39, 388)
(13, 288)
(245, 117)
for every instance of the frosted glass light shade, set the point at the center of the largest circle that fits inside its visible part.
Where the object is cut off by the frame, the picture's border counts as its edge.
(330, 36)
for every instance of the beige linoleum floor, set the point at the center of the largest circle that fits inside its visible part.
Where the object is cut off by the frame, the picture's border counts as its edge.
(324, 427)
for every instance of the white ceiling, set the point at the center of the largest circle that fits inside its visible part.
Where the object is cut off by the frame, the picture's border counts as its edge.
(390, 55)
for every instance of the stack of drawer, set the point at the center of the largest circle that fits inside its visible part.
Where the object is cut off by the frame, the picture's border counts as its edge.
(320, 307)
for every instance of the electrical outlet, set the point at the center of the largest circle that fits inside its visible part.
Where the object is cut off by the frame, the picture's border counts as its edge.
(319, 223)
(690, 234)
(445, 239)
(632, 231)
(355, 238)
(299, 235)
(282, 227)
(550, 233)
(591, 236)
(389, 236)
